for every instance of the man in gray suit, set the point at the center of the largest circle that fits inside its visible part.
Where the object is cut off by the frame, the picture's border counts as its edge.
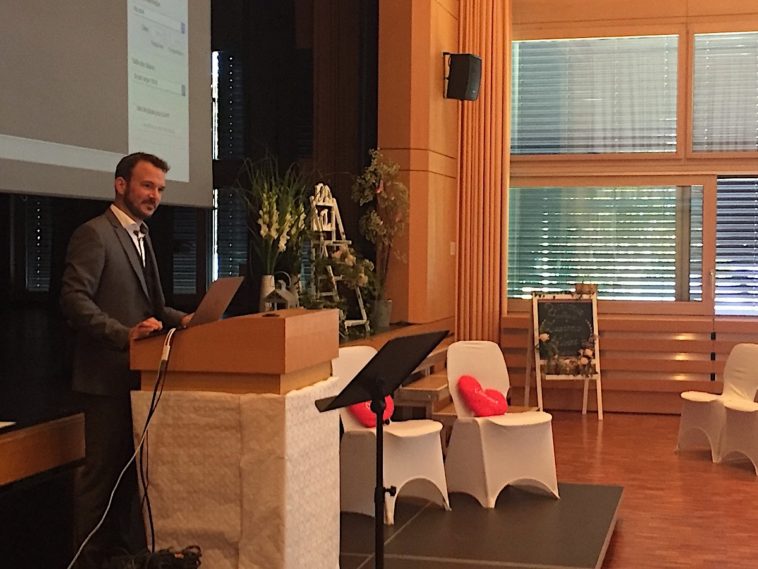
(110, 295)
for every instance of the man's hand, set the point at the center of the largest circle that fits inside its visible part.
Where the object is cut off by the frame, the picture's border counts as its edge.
(145, 328)
(186, 320)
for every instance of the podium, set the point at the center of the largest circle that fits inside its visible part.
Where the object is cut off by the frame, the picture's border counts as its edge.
(240, 461)
(271, 352)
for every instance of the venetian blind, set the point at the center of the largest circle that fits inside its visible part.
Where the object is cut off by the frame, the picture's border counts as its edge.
(230, 240)
(38, 230)
(737, 246)
(725, 99)
(185, 251)
(231, 233)
(636, 243)
(601, 95)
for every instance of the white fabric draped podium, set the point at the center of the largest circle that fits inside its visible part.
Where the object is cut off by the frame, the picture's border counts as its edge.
(252, 478)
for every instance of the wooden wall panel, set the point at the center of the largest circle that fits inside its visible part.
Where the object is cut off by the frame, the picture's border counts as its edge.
(419, 128)
(697, 8)
(443, 113)
(545, 11)
(529, 13)
(395, 31)
(646, 361)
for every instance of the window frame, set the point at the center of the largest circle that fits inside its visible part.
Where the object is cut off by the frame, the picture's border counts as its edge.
(683, 167)
(749, 25)
(708, 183)
(604, 31)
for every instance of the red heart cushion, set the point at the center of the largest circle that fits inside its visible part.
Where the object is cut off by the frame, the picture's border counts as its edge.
(482, 402)
(366, 417)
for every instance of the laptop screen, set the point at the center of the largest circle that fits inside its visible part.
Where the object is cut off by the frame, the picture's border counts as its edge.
(216, 300)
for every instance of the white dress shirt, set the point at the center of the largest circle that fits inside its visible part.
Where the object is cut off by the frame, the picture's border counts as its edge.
(136, 230)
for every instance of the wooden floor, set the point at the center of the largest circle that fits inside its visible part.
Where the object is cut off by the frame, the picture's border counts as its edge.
(678, 510)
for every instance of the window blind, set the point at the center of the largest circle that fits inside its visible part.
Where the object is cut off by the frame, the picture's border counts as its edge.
(185, 251)
(725, 98)
(636, 243)
(228, 106)
(38, 229)
(231, 233)
(229, 222)
(601, 95)
(737, 247)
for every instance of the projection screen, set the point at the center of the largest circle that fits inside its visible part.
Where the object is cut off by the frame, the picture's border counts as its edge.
(85, 82)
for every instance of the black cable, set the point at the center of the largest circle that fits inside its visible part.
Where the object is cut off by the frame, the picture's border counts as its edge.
(144, 449)
(157, 392)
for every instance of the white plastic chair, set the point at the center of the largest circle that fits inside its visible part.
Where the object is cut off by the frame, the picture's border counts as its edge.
(486, 454)
(412, 452)
(740, 436)
(704, 415)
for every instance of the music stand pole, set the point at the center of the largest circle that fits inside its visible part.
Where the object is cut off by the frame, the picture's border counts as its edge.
(377, 406)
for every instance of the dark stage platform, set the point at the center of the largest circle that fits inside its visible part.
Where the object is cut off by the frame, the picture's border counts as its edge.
(524, 531)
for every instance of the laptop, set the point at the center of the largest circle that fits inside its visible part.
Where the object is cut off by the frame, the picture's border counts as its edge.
(216, 300)
(213, 304)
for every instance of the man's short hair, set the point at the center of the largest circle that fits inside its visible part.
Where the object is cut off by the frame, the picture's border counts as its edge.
(127, 164)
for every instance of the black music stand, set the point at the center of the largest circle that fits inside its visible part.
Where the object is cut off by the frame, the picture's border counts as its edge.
(383, 374)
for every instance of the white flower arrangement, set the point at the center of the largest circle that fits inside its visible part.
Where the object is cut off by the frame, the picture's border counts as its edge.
(277, 206)
(581, 365)
(275, 233)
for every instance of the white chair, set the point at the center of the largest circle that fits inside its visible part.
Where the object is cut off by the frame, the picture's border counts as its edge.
(703, 414)
(412, 452)
(485, 454)
(740, 436)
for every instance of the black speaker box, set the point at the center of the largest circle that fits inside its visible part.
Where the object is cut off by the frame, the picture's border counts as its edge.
(463, 78)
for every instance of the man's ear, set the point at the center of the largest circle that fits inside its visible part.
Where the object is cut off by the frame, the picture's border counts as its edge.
(119, 184)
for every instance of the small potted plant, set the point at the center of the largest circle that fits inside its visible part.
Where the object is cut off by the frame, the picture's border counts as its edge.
(385, 217)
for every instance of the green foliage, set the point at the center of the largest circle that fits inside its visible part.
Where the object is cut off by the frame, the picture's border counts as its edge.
(583, 364)
(276, 205)
(386, 213)
(355, 271)
(546, 346)
(351, 272)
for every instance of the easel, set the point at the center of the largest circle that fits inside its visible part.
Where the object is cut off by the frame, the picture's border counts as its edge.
(563, 302)
(327, 224)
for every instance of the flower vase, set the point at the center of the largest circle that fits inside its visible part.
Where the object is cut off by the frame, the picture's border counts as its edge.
(267, 287)
(380, 314)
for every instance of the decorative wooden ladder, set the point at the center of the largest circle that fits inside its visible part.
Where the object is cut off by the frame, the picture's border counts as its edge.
(327, 224)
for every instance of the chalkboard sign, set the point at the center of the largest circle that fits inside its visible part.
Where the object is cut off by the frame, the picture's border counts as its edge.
(566, 345)
(565, 335)
(569, 322)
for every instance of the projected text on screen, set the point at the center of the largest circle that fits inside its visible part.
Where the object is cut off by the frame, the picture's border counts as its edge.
(158, 65)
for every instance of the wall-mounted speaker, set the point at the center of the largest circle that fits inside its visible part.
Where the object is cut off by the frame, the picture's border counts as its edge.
(464, 76)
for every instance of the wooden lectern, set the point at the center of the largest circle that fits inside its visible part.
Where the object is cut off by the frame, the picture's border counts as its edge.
(241, 462)
(271, 352)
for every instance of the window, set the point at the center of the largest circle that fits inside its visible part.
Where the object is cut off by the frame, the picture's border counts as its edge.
(228, 106)
(184, 256)
(229, 222)
(725, 102)
(230, 235)
(602, 95)
(737, 247)
(636, 243)
(38, 229)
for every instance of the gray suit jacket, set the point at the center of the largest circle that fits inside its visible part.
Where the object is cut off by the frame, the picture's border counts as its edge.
(103, 295)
